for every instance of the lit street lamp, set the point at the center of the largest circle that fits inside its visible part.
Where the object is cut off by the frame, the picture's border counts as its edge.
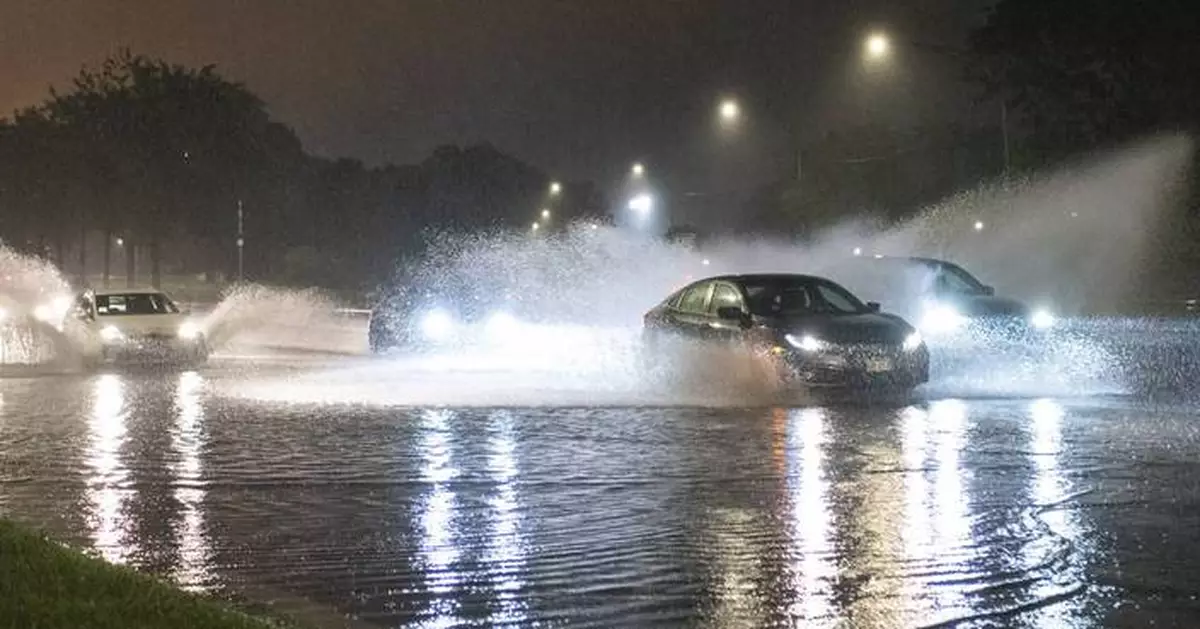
(978, 226)
(536, 226)
(555, 188)
(729, 111)
(638, 169)
(877, 46)
(545, 214)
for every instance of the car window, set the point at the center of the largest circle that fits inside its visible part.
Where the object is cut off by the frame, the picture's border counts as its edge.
(695, 300)
(955, 279)
(725, 296)
(835, 299)
(134, 304)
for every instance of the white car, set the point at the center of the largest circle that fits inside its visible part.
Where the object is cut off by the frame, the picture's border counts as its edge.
(112, 325)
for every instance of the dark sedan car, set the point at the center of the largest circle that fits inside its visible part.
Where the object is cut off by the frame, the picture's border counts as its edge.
(818, 333)
(942, 298)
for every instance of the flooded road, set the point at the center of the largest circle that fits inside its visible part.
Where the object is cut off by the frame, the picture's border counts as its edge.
(1039, 512)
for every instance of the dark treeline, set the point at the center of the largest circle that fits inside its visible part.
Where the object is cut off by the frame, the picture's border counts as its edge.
(1077, 77)
(139, 168)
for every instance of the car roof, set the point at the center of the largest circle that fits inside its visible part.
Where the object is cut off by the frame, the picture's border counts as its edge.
(751, 277)
(908, 259)
(127, 291)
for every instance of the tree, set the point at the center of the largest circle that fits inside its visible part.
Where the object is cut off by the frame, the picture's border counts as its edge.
(1084, 73)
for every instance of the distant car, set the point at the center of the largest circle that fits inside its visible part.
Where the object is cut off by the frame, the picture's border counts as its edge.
(819, 333)
(146, 324)
(942, 298)
(439, 317)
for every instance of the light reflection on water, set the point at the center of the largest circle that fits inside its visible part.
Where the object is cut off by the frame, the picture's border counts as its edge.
(813, 571)
(108, 490)
(438, 548)
(814, 516)
(187, 441)
(505, 553)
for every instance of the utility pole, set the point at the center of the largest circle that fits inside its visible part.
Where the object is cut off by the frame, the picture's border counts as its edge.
(1004, 133)
(241, 241)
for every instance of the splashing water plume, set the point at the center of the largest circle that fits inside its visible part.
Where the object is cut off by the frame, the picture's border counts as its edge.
(1079, 239)
(33, 296)
(257, 318)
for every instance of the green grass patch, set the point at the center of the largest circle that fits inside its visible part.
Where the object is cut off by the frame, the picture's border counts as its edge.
(45, 585)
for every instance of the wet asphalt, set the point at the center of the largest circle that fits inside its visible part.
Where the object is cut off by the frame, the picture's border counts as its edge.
(1067, 507)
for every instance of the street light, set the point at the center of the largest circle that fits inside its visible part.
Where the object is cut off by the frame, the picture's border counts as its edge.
(546, 214)
(730, 111)
(536, 226)
(638, 169)
(555, 188)
(877, 46)
(978, 226)
(120, 242)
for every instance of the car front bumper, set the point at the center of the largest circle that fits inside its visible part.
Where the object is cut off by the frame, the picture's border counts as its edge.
(152, 347)
(857, 367)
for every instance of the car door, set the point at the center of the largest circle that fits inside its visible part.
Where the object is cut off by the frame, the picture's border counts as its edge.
(724, 295)
(690, 317)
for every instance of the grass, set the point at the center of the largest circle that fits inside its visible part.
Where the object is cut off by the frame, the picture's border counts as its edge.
(45, 585)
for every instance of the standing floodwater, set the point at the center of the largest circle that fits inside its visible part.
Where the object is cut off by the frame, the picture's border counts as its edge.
(1024, 512)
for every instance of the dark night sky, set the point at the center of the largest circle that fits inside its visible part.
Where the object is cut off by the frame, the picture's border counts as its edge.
(578, 87)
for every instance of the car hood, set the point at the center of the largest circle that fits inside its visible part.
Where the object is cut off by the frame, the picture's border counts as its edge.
(857, 328)
(143, 324)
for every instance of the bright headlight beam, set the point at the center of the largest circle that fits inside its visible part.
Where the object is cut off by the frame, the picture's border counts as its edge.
(1042, 319)
(189, 331)
(805, 342)
(941, 318)
(437, 325)
(500, 325)
(913, 341)
(110, 333)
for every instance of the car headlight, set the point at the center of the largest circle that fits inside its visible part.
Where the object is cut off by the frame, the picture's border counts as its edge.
(941, 319)
(500, 325)
(437, 325)
(913, 341)
(44, 313)
(805, 342)
(1042, 319)
(189, 331)
(111, 334)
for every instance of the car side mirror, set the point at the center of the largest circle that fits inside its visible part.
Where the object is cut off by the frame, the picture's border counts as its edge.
(873, 306)
(989, 290)
(733, 313)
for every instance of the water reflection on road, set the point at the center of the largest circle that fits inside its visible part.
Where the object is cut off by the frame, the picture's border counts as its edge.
(931, 513)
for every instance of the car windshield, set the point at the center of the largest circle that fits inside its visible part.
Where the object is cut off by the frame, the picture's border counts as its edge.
(952, 278)
(135, 304)
(792, 297)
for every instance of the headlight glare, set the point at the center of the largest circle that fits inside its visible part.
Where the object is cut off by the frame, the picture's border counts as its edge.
(805, 342)
(913, 341)
(1042, 319)
(941, 319)
(111, 334)
(437, 325)
(500, 325)
(189, 331)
